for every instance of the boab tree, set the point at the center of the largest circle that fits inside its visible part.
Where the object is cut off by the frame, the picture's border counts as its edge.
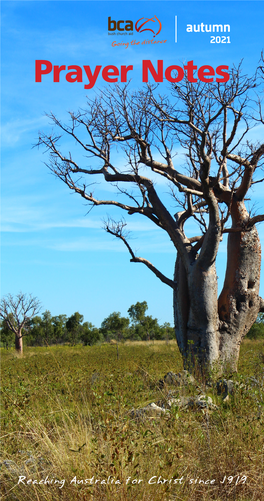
(212, 123)
(17, 312)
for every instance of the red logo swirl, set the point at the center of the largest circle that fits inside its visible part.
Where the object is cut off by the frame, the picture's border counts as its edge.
(140, 28)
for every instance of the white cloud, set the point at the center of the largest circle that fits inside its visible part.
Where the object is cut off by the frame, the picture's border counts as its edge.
(106, 244)
(13, 130)
(36, 214)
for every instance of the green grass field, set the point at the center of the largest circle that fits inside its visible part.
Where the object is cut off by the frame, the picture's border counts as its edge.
(67, 432)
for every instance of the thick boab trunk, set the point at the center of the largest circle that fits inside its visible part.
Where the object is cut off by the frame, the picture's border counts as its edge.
(202, 326)
(210, 331)
(181, 306)
(239, 301)
(196, 316)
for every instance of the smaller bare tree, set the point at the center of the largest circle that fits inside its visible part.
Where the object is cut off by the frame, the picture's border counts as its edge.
(17, 311)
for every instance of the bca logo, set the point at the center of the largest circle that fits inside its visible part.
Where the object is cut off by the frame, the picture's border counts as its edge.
(113, 25)
(142, 24)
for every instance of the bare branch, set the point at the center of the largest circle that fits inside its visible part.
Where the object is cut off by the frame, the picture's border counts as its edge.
(117, 229)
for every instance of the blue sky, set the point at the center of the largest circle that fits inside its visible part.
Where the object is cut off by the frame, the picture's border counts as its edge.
(50, 246)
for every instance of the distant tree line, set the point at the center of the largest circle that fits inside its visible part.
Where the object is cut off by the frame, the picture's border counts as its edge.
(45, 329)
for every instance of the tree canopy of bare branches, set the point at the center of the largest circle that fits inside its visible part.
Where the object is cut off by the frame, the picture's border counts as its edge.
(215, 125)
